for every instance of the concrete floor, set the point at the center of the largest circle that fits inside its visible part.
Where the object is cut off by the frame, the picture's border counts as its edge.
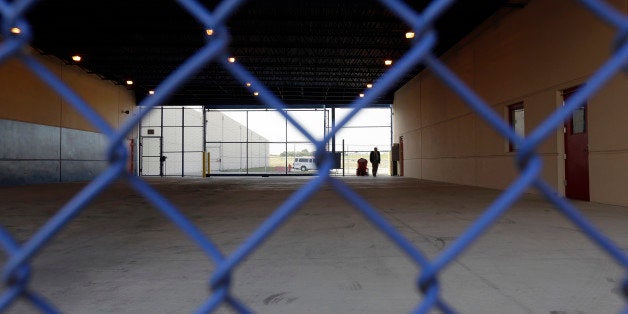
(120, 255)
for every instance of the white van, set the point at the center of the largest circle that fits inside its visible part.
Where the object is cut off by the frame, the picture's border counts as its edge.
(304, 163)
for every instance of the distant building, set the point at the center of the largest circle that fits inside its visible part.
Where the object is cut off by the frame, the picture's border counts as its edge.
(230, 142)
(231, 147)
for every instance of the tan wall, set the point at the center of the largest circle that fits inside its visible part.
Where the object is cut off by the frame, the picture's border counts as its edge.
(527, 55)
(608, 143)
(406, 112)
(24, 97)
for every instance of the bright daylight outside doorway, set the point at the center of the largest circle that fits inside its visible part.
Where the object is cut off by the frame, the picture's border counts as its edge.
(174, 141)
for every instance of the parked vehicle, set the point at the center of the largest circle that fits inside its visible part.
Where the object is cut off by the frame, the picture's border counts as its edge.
(304, 163)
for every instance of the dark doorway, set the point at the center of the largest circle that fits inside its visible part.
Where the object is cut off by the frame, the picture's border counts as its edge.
(577, 151)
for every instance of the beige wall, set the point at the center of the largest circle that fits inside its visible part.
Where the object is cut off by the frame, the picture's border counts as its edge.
(527, 55)
(24, 97)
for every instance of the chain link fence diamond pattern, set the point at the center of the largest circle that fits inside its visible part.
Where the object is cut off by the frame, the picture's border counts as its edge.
(17, 269)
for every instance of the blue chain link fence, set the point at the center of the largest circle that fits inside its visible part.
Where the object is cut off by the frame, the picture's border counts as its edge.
(16, 271)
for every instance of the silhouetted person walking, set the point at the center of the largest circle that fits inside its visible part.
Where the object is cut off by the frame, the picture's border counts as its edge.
(375, 159)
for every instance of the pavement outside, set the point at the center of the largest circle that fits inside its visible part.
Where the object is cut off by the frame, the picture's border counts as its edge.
(121, 255)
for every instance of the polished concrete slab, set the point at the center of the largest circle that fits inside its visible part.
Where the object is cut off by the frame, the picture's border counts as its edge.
(121, 255)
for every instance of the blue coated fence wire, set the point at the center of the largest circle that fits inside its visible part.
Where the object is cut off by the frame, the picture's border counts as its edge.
(17, 268)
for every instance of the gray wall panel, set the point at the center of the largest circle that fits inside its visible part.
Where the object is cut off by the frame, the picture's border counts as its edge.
(81, 170)
(32, 153)
(82, 145)
(19, 140)
(20, 172)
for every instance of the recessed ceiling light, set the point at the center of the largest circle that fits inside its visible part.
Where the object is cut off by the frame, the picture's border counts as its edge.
(151, 92)
(410, 35)
(231, 59)
(129, 82)
(15, 30)
(256, 93)
(369, 85)
(248, 84)
(76, 58)
(209, 32)
(388, 62)
(361, 95)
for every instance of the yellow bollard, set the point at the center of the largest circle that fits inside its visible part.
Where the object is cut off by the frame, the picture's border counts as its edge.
(208, 166)
(204, 173)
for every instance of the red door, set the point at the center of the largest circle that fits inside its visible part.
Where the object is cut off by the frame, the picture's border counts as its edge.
(401, 156)
(577, 152)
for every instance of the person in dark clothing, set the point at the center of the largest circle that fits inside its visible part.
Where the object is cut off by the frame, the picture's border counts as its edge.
(375, 159)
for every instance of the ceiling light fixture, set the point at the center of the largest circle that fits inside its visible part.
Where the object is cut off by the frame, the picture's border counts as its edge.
(15, 30)
(361, 95)
(76, 58)
(129, 82)
(248, 84)
(151, 92)
(256, 93)
(388, 62)
(369, 85)
(209, 32)
(231, 59)
(410, 35)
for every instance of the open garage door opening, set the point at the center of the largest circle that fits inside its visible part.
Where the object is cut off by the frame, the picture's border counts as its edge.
(197, 141)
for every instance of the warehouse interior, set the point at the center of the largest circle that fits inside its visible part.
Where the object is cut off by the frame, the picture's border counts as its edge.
(470, 214)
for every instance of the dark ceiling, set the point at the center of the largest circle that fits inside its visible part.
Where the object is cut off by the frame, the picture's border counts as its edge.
(306, 52)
